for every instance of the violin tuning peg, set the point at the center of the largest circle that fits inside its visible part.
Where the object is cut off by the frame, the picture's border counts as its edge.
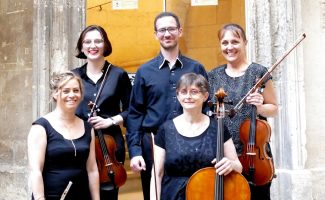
(210, 104)
(209, 113)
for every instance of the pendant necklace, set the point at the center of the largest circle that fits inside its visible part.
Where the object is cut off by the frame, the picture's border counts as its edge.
(74, 146)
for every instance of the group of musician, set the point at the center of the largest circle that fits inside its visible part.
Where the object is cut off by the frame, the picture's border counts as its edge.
(169, 134)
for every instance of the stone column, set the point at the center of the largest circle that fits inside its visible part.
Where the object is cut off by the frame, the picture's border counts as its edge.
(272, 28)
(57, 25)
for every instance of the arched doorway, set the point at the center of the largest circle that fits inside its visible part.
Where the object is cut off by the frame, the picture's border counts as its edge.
(132, 36)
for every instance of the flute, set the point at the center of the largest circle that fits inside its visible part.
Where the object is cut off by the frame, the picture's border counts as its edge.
(65, 192)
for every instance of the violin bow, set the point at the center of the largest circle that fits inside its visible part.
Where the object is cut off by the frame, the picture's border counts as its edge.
(99, 92)
(153, 163)
(258, 84)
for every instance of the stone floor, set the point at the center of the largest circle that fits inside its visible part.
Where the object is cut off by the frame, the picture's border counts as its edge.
(132, 189)
(131, 196)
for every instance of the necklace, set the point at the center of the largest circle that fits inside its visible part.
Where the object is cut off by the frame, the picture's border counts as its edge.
(194, 129)
(70, 138)
(68, 129)
(74, 146)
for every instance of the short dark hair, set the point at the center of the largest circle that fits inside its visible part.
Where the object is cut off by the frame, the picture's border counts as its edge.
(234, 28)
(166, 14)
(107, 43)
(190, 79)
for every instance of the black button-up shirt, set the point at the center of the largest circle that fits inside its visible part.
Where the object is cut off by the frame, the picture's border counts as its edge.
(153, 97)
(113, 100)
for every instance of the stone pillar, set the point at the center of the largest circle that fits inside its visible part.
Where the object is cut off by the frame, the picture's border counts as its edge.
(57, 26)
(272, 27)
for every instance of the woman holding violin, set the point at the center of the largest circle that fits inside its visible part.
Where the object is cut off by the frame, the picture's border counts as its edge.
(112, 101)
(237, 77)
(188, 143)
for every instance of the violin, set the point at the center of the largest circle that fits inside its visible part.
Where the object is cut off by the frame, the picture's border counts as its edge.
(110, 170)
(255, 134)
(205, 183)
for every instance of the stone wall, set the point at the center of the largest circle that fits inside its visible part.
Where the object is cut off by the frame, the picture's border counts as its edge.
(313, 23)
(36, 38)
(273, 27)
(16, 54)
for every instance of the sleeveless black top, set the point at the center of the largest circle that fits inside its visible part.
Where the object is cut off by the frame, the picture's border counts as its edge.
(63, 164)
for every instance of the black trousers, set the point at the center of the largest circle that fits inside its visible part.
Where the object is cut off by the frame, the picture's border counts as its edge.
(109, 194)
(260, 192)
(147, 155)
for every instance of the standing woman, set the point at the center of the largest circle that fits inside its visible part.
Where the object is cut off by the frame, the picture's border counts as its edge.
(237, 77)
(188, 142)
(113, 103)
(61, 147)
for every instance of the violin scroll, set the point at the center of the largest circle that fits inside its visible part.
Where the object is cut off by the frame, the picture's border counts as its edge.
(220, 95)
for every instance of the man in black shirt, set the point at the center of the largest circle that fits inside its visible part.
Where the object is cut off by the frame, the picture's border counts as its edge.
(153, 97)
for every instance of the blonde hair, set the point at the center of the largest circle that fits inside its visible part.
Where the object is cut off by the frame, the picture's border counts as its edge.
(59, 79)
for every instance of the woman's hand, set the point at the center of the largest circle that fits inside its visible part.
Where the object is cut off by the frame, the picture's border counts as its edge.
(100, 123)
(255, 98)
(224, 166)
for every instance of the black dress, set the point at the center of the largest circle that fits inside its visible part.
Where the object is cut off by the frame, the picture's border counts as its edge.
(236, 88)
(63, 164)
(184, 156)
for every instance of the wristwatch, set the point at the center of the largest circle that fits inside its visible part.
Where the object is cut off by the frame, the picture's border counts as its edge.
(113, 121)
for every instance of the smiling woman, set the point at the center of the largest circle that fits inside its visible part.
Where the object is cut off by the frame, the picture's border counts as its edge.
(186, 144)
(61, 146)
(97, 75)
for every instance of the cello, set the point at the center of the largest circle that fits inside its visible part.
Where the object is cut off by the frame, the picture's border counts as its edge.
(110, 170)
(205, 183)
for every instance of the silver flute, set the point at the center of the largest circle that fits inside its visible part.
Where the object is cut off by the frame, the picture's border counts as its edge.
(65, 192)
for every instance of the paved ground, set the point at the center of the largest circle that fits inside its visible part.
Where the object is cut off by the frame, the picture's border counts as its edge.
(132, 189)
(131, 196)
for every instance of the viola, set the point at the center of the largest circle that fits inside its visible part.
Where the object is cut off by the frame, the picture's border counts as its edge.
(255, 134)
(110, 170)
(205, 183)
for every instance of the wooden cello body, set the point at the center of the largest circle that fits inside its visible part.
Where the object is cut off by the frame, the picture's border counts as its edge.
(206, 184)
(258, 166)
(201, 186)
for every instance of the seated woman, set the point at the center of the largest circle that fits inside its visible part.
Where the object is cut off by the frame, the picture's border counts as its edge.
(188, 142)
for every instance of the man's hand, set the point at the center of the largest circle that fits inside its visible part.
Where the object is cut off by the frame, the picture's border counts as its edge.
(137, 164)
